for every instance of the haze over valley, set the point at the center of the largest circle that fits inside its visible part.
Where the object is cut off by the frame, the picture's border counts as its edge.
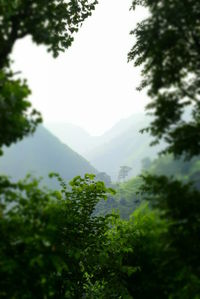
(71, 151)
(122, 145)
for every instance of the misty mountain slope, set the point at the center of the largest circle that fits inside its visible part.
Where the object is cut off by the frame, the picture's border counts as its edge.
(82, 142)
(74, 136)
(129, 148)
(122, 126)
(123, 144)
(41, 154)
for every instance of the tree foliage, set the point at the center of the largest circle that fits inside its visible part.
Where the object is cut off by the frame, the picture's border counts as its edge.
(51, 23)
(168, 48)
(180, 205)
(137, 246)
(50, 240)
(16, 119)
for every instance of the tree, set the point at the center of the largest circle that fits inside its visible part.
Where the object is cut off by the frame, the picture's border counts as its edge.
(123, 172)
(179, 204)
(51, 23)
(167, 46)
(50, 240)
(15, 119)
(136, 247)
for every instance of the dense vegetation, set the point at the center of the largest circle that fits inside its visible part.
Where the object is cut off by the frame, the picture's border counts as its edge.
(52, 244)
(128, 196)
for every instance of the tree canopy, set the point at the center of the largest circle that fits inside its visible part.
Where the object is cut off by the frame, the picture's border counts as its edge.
(51, 23)
(168, 49)
(50, 240)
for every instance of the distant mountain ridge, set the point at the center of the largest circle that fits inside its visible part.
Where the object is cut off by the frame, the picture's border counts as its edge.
(81, 141)
(74, 136)
(123, 144)
(41, 154)
(128, 148)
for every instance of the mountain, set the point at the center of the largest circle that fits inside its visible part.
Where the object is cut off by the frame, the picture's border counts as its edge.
(123, 144)
(81, 141)
(74, 136)
(128, 148)
(41, 154)
(120, 127)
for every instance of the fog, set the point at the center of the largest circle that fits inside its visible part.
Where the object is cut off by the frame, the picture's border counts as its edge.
(91, 85)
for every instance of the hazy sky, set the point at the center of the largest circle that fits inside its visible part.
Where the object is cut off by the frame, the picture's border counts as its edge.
(91, 84)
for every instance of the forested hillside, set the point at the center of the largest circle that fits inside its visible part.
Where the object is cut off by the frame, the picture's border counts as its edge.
(128, 198)
(40, 155)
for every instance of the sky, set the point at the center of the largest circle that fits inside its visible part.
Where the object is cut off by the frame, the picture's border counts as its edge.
(91, 85)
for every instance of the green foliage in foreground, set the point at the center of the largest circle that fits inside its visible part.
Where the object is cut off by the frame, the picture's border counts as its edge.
(167, 48)
(16, 119)
(181, 169)
(180, 206)
(51, 23)
(49, 239)
(124, 201)
(52, 245)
